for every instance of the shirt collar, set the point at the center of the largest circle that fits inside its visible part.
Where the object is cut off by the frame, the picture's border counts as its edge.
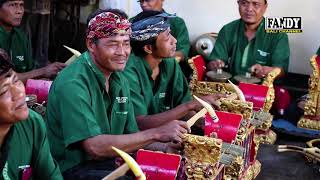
(100, 76)
(14, 29)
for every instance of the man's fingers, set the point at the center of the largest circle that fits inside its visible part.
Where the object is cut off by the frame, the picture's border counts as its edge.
(176, 139)
(184, 127)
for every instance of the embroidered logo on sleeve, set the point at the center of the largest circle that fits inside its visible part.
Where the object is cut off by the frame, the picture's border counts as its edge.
(262, 53)
(162, 95)
(20, 58)
(122, 99)
(122, 112)
(5, 172)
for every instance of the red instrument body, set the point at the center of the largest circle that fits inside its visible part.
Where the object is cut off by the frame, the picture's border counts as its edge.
(158, 165)
(40, 88)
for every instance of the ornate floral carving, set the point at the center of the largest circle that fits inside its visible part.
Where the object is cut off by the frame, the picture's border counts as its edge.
(268, 81)
(311, 118)
(202, 156)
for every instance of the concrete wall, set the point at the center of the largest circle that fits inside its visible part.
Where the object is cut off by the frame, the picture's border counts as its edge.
(204, 16)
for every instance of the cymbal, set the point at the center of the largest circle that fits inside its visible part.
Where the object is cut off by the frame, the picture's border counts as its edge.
(218, 76)
(247, 79)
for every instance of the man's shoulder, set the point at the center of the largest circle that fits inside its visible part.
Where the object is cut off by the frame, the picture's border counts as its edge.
(134, 61)
(177, 20)
(232, 25)
(170, 64)
(73, 75)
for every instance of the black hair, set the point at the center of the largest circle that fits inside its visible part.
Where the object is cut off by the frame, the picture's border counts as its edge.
(138, 46)
(4, 1)
(99, 11)
(5, 62)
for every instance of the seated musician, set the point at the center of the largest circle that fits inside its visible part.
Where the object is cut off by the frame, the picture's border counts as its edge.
(245, 46)
(90, 107)
(15, 42)
(23, 140)
(177, 25)
(159, 90)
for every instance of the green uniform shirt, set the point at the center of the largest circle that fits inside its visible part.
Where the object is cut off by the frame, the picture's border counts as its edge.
(267, 49)
(180, 32)
(18, 48)
(152, 97)
(79, 107)
(318, 52)
(28, 145)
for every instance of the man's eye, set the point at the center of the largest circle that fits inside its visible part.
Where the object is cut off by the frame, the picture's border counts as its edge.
(3, 92)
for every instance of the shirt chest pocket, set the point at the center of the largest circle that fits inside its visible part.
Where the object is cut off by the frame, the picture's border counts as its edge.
(19, 63)
(162, 102)
(262, 57)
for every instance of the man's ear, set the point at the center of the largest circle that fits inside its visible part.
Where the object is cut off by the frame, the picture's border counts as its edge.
(90, 45)
(148, 49)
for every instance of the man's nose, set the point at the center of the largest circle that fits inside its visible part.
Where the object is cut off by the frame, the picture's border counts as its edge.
(121, 50)
(250, 7)
(20, 9)
(17, 92)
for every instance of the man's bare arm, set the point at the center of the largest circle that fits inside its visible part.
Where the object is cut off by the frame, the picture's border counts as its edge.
(99, 147)
(46, 72)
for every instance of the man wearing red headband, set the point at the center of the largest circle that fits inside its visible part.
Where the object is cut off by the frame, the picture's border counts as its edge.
(89, 107)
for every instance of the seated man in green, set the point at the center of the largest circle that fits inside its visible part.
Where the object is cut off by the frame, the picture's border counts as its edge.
(178, 28)
(15, 42)
(23, 140)
(245, 46)
(89, 107)
(159, 91)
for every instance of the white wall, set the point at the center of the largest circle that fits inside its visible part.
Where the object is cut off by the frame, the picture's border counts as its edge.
(203, 16)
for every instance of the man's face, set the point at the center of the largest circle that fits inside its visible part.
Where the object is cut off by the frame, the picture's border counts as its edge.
(13, 107)
(251, 11)
(11, 13)
(155, 5)
(111, 54)
(165, 45)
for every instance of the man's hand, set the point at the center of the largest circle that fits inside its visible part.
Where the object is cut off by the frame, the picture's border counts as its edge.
(211, 99)
(173, 148)
(52, 69)
(215, 64)
(260, 71)
(172, 131)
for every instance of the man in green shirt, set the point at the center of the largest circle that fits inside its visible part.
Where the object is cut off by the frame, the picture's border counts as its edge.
(159, 90)
(177, 25)
(245, 46)
(16, 43)
(23, 140)
(90, 107)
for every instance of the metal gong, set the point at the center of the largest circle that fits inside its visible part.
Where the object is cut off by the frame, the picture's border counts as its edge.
(218, 76)
(247, 78)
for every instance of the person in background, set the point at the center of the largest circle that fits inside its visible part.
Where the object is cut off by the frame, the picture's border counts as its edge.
(244, 45)
(178, 30)
(15, 42)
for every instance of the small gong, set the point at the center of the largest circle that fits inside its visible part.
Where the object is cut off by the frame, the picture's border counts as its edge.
(31, 100)
(247, 78)
(218, 76)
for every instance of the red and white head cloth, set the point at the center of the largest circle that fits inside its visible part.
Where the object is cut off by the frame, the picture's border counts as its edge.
(107, 24)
